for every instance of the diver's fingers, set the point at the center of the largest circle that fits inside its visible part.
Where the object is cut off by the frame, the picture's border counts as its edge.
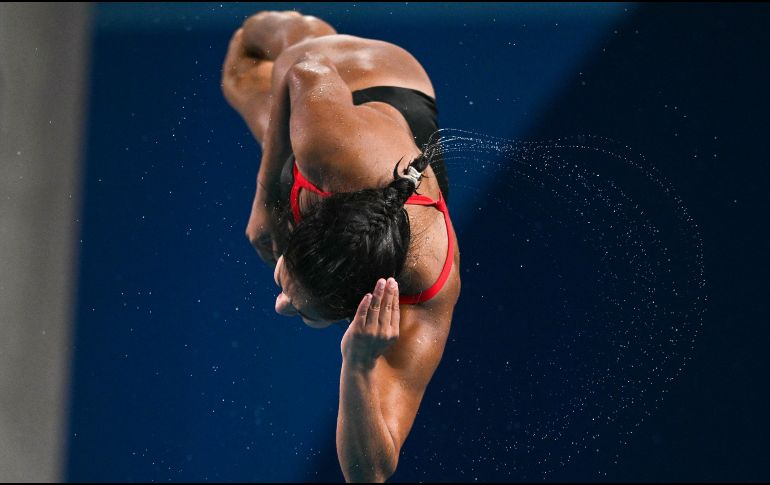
(363, 308)
(391, 289)
(395, 318)
(373, 316)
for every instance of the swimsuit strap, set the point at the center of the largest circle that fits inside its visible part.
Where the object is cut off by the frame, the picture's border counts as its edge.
(300, 182)
(417, 199)
(426, 295)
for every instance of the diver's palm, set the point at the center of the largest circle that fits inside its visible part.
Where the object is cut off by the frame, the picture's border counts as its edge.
(374, 328)
(260, 231)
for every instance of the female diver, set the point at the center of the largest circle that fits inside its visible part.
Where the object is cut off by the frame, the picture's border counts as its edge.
(345, 124)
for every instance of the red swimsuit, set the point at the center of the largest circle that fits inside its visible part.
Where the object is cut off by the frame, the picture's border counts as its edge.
(301, 182)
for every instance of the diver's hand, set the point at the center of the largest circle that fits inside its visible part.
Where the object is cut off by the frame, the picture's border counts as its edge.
(260, 231)
(374, 328)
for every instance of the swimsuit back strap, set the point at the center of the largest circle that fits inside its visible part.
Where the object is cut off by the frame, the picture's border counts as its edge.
(304, 183)
(417, 199)
(300, 182)
(444, 276)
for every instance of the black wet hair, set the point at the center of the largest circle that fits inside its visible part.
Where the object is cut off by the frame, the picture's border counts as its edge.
(349, 240)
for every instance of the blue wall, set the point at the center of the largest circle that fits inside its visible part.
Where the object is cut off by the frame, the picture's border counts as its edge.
(184, 372)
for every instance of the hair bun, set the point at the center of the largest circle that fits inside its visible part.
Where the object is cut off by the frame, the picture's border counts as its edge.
(413, 175)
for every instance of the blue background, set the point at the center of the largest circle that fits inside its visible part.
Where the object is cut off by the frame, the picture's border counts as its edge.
(184, 372)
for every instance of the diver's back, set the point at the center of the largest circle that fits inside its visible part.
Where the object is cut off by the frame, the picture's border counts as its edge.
(364, 62)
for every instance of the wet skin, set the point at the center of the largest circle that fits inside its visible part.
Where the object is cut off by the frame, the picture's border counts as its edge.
(290, 77)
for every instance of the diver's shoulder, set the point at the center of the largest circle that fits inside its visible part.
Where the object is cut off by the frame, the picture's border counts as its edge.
(423, 270)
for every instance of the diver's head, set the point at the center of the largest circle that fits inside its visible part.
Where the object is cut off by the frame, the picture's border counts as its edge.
(342, 247)
(295, 300)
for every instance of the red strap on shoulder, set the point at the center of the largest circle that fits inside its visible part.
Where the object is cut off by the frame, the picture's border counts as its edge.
(417, 199)
(444, 276)
(300, 182)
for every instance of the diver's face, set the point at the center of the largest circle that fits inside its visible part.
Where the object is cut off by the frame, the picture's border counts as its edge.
(292, 300)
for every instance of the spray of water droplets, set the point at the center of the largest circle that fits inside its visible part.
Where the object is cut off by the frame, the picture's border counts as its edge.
(627, 315)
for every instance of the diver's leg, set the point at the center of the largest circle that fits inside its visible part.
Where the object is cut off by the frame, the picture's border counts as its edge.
(248, 66)
(248, 86)
(267, 34)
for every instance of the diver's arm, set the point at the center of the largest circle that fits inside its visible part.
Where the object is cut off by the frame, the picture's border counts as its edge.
(277, 142)
(311, 110)
(381, 392)
(365, 447)
(276, 148)
(254, 82)
(308, 101)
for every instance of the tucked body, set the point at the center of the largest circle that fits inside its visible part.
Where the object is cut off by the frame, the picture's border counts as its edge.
(292, 78)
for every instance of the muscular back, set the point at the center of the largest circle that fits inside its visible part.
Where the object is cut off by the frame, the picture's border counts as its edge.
(360, 62)
(342, 157)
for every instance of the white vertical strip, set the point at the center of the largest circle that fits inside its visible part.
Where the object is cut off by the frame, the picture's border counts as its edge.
(44, 51)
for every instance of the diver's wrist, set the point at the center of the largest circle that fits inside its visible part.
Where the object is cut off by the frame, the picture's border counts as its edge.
(267, 189)
(361, 365)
